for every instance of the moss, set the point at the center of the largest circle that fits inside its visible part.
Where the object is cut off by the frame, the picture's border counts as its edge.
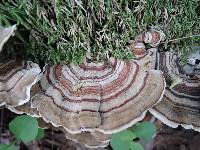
(65, 30)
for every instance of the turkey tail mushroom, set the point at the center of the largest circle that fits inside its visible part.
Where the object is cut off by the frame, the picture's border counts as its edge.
(5, 34)
(16, 79)
(154, 37)
(89, 139)
(92, 139)
(181, 102)
(26, 107)
(138, 49)
(106, 97)
(146, 58)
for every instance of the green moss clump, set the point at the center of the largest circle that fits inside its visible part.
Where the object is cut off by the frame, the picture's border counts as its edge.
(65, 30)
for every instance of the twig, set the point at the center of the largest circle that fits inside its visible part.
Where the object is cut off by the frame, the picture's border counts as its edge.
(197, 35)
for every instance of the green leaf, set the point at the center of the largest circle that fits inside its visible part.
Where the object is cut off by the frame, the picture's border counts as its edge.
(122, 140)
(24, 128)
(136, 146)
(40, 134)
(144, 130)
(8, 147)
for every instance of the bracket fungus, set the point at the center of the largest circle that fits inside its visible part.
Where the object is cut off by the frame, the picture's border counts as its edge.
(26, 107)
(5, 34)
(16, 80)
(88, 102)
(106, 97)
(153, 37)
(89, 139)
(146, 58)
(181, 102)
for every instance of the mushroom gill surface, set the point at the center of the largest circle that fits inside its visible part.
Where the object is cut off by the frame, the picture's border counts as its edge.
(106, 97)
(181, 102)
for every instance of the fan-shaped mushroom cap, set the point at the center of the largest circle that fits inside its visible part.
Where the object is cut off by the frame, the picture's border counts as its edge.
(89, 139)
(138, 49)
(181, 103)
(98, 139)
(5, 34)
(107, 97)
(16, 80)
(26, 108)
(146, 58)
(154, 37)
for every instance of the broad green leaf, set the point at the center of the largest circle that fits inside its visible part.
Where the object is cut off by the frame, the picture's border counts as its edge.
(8, 147)
(122, 140)
(120, 145)
(144, 130)
(40, 134)
(24, 128)
(136, 146)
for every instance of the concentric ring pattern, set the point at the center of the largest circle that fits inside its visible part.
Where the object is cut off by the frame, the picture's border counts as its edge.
(16, 80)
(181, 103)
(107, 97)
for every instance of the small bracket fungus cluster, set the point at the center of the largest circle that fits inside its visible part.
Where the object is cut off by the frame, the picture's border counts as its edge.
(146, 58)
(181, 102)
(91, 101)
(154, 37)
